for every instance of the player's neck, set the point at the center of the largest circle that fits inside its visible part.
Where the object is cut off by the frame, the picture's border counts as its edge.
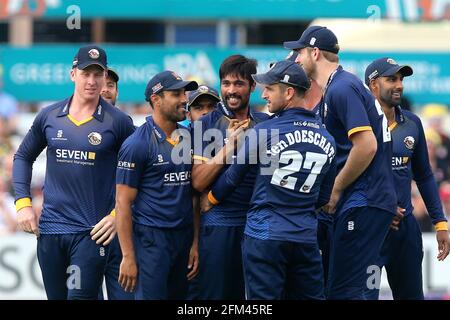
(299, 103)
(389, 112)
(167, 126)
(324, 72)
(81, 108)
(241, 114)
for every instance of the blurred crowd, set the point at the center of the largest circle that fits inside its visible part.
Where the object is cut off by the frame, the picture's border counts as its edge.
(435, 118)
(15, 121)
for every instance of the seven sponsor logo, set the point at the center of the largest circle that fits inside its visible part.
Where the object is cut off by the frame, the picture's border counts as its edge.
(174, 177)
(75, 156)
(126, 165)
(399, 162)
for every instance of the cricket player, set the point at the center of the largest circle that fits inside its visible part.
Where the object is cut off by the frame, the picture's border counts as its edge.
(363, 197)
(221, 275)
(83, 135)
(402, 251)
(154, 196)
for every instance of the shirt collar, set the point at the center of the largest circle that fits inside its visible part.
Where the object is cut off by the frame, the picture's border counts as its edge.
(160, 134)
(64, 111)
(156, 129)
(230, 114)
(299, 111)
(399, 116)
(98, 114)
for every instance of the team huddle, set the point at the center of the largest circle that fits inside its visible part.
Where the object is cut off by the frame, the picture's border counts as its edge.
(237, 204)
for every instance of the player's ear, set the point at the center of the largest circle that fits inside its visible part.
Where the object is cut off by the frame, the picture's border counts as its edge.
(72, 74)
(253, 86)
(289, 93)
(315, 53)
(373, 85)
(156, 99)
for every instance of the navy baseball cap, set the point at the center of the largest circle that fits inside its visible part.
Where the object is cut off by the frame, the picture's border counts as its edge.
(89, 55)
(167, 80)
(290, 57)
(202, 90)
(315, 36)
(385, 67)
(113, 74)
(286, 72)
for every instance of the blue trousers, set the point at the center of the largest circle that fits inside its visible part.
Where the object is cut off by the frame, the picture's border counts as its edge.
(221, 275)
(72, 265)
(113, 288)
(282, 270)
(162, 256)
(401, 256)
(324, 236)
(358, 236)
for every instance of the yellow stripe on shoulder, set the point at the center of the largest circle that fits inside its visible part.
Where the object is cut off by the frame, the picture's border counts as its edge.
(79, 123)
(359, 129)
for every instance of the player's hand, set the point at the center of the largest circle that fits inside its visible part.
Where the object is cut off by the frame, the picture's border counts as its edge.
(205, 205)
(236, 129)
(128, 274)
(399, 215)
(193, 261)
(104, 231)
(28, 220)
(330, 207)
(443, 244)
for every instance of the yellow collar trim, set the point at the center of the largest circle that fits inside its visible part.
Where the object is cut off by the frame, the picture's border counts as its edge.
(79, 123)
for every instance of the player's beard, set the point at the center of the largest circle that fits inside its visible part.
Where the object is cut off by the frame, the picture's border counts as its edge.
(310, 70)
(244, 101)
(388, 98)
(309, 67)
(175, 113)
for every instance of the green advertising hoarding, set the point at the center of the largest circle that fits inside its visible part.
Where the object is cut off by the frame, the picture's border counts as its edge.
(41, 73)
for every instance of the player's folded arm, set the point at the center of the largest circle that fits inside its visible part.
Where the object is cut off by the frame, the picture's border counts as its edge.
(228, 180)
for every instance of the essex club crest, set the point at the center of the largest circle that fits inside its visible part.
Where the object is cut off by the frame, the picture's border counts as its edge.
(95, 138)
(409, 142)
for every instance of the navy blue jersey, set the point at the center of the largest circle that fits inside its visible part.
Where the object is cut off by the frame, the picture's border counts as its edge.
(288, 190)
(149, 162)
(410, 161)
(231, 212)
(79, 182)
(349, 107)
